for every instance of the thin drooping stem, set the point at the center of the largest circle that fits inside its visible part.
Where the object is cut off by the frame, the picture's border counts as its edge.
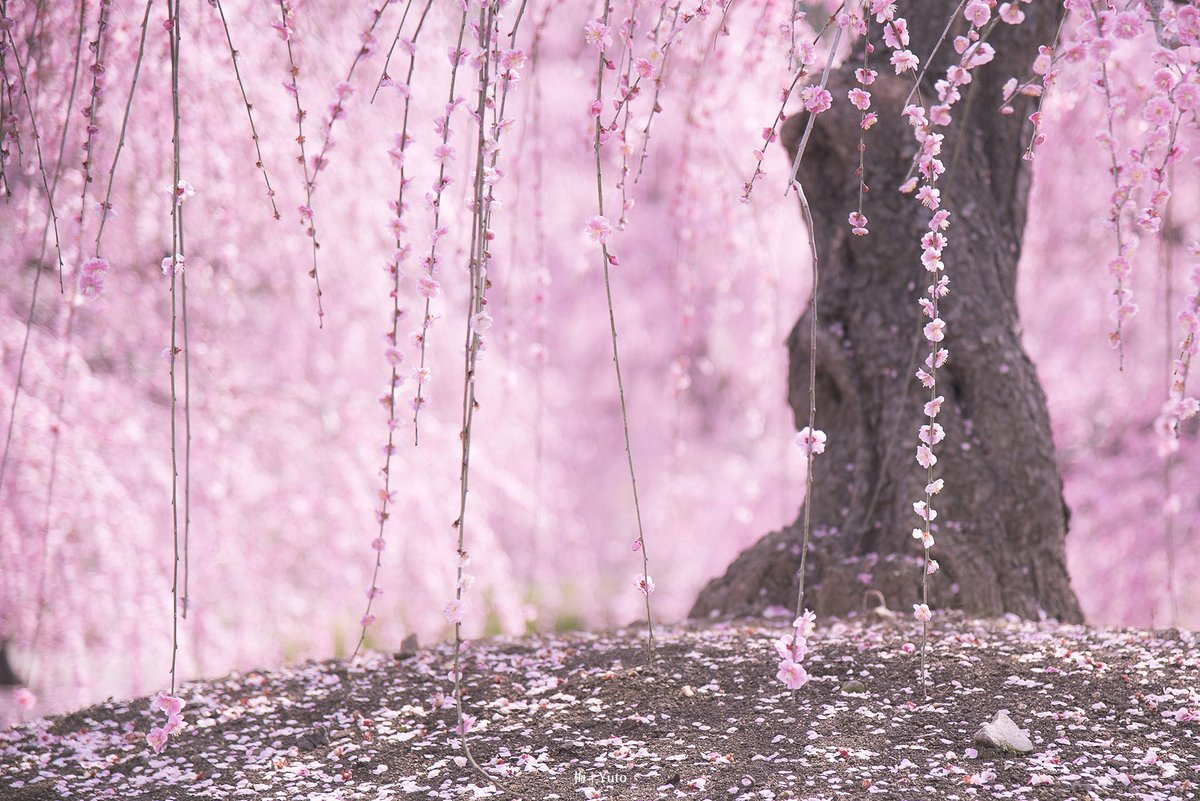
(43, 566)
(106, 206)
(336, 112)
(308, 213)
(772, 131)
(37, 278)
(608, 259)
(387, 62)
(812, 118)
(178, 278)
(92, 126)
(431, 264)
(812, 389)
(393, 340)
(928, 60)
(476, 302)
(237, 73)
(37, 144)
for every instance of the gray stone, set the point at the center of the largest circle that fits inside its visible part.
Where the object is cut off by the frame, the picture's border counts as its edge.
(1004, 735)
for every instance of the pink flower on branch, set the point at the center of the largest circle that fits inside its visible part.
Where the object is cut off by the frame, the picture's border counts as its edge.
(816, 99)
(792, 674)
(598, 228)
(597, 34)
(810, 441)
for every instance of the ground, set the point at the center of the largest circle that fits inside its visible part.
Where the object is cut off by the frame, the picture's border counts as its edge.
(1113, 714)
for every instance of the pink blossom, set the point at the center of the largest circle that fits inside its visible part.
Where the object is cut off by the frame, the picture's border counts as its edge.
(1157, 111)
(91, 277)
(930, 198)
(935, 330)
(865, 76)
(858, 223)
(1187, 96)
(977, 13)
(428, 287)
(810, 442)
(921, 612)
(934, 487)
(924, 536)
(792, 674)
(816, 99)
(597, 34)
(859, 98)
(895, 34)
(787, 647)
(932, 435)
(806, 624)
(598, 228)
(644, 584)
(904, 60)
(1126, 25)
(466, 724)
(1011, 13)
(644, 68)
(182, 191)
(157, 739)
(925, 456)
(933, 407)
(512, 60)
(453, 610)
(924, 511)
(168, 703)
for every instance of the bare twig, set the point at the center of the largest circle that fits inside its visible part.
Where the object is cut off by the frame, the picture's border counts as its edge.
(233, 57)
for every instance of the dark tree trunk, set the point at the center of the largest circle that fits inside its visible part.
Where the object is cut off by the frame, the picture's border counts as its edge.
(1002, 519)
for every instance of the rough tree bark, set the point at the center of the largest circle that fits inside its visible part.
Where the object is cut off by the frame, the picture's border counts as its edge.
(1002, 518)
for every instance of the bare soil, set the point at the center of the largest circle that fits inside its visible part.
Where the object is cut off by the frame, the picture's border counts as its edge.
(1113, 714)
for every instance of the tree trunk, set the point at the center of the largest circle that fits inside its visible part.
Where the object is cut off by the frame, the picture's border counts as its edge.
(1001, 529)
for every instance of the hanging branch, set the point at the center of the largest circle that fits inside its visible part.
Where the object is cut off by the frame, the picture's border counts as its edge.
(106, 205)
(771, 133)
(37, 143)
(233, 57)
(37, 278)
(98, 70)
(599, 229)
(343, 90)
(477, 321)
(394, 355)
(306, 211)
(429, 285)
(384, 78)
(58, 414)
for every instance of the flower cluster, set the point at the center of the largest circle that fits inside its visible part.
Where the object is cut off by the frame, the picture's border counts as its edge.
(172, 706)
(791, 650)
(91, 277)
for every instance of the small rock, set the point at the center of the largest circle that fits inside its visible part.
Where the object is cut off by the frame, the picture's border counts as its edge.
(408, 648)
(1002, 734)
(687, 691)
(853, 686)
(312, 739)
